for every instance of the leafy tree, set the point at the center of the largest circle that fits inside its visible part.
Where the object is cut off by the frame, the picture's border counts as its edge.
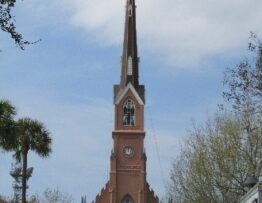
(244, 82)
(215, 162)
(21, 136)
(31, 135)
(7, 127)
(217, 157)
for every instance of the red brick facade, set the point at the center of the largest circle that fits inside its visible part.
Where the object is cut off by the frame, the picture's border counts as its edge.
(128, 172)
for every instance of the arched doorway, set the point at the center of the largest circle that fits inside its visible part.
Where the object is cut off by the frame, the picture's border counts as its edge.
(127, 199)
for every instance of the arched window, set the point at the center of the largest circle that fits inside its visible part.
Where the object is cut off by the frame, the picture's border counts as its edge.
(127, 199)
(130, 11)
(129, 113)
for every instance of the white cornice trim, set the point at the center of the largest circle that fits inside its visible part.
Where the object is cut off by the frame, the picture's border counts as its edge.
(123, 93)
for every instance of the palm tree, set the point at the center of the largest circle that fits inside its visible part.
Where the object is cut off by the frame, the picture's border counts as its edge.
(31, 135)
(7, 125)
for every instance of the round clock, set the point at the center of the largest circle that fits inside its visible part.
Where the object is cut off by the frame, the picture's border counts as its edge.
(128, 151)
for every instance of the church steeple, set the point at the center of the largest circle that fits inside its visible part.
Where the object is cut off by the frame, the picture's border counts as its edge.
(127, 182)
(130, 59)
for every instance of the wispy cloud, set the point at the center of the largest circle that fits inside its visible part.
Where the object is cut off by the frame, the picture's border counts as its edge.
(185, 32)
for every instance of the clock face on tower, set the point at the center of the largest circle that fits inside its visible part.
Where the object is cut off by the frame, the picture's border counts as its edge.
(128, 151)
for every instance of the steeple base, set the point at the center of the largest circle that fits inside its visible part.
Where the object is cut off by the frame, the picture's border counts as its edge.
(110, 195)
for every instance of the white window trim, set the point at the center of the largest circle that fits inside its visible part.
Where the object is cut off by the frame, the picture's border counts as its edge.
(129, 66)
(130, 11)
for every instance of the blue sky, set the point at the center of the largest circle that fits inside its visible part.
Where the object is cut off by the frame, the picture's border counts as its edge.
(66, 80)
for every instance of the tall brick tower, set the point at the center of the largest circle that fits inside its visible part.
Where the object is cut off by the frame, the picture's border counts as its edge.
(127, 183)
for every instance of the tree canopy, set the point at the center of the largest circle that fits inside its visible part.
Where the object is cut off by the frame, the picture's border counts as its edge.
(31, 136)
(244, 82)
(21, 136)
(219, 155)
(216, 160)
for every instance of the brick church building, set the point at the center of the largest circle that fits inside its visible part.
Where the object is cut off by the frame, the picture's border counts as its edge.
(127, 183)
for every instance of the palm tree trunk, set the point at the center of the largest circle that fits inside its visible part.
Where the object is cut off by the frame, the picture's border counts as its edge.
(24, 175)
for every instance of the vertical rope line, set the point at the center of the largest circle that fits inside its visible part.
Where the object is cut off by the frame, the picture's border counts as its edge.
(108, 166)
(156, 146)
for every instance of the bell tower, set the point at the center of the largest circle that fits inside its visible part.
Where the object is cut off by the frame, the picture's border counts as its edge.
(127, 183)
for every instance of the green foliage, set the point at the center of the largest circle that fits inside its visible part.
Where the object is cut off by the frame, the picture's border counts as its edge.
(21, 136)
(216, 160)
(217, 157)
(7, 22)
(7, 125)
(31, 135)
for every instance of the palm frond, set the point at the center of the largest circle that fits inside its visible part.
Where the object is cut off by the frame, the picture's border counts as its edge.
(34, 136)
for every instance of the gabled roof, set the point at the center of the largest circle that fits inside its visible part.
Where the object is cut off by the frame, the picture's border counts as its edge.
(122, 93)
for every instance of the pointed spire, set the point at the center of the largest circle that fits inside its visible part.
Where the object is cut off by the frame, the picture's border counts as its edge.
(130, 59)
